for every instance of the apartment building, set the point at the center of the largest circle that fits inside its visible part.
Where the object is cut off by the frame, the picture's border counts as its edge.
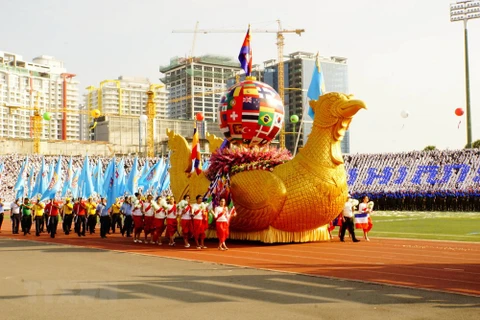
(197, 84)
(44, 84)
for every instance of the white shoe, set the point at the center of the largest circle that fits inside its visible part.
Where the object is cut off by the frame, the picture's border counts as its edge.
(187, 246)
(134, 240)
(139, 241)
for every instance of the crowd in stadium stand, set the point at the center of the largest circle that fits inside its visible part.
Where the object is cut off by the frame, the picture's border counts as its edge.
(438, 180)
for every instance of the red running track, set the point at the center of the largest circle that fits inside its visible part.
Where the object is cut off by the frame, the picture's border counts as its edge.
(433, 265)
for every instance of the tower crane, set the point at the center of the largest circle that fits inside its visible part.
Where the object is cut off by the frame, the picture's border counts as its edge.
(151, 111)
(280, 44)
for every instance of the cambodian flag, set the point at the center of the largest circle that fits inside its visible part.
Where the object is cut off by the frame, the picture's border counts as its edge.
(245, 55)
(196, 156)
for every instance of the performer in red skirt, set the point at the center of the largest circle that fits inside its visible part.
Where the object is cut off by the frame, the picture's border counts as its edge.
(363, 220)
(171, 220)
(137, 219)
(159, 221)
(199, 222)
(186, 220)
(222, 216)
(148, 212)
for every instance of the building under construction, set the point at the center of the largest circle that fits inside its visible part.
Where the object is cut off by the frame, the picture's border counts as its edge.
(197, 84)
(298, 70)
(43, 84)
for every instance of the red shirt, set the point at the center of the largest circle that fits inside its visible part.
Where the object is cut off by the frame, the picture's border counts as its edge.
(54, 210)
(48, 208)
(79, 207)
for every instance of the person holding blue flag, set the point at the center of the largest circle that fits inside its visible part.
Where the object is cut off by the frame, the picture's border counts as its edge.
(67, 216)
(104, 212)
(53, 217)
(26, 210)
(15, 215)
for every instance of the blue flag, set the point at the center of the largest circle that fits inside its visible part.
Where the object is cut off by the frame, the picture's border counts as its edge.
(20, 184)
(132, 182)
(153, 175)
(116, 185)
(75, 181)
(30, 182)
(106, 177)
(143, 174)
(51, 169)
(67, 185)
(85, 181)
(40, 181)
(98, 178)
(2, 167)
(317, 85)
(55, 183)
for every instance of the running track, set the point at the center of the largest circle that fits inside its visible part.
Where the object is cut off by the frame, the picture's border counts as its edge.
(432, 265)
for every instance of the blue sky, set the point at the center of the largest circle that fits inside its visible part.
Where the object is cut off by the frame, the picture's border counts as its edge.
(402, 55)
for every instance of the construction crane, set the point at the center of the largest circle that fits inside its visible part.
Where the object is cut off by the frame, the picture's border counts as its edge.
(37, 126)
(37, 119)
(151, 112)
(280, 44)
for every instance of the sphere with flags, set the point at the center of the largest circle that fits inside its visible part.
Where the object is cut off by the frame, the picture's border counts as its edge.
(251, 113)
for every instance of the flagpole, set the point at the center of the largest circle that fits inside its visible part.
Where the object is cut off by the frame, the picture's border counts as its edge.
(299, 130)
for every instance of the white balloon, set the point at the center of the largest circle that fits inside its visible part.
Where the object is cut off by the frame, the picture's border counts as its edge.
(404, 114)
(143, 118)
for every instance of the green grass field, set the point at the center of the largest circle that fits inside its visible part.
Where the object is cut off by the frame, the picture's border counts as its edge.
(458, 226)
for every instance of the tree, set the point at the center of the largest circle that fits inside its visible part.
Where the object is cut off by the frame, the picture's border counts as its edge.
(429, 148)
(475, 144)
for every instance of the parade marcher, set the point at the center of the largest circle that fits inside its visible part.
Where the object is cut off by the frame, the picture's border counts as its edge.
(26, 209)
(159, 221)
(171, 210)
(53, 218)
(67, 216)
(46, 215)
(15, 215)
(200, 222)
(80, 210)
(222, 219)
(39, 209)
(348, 220)
(137, 219)
(92, 215)
(116, 217)
(186, 220)
(104, 214)
(363, 220)
(126, 210)
(148, 218)
(2, 213)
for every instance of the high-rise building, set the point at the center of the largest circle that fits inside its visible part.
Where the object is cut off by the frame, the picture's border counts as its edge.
(298, 70)
(197, 84)
(125, 97)
(42, 83)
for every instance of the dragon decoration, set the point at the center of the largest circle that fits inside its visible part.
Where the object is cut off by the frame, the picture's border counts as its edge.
(293, 201)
